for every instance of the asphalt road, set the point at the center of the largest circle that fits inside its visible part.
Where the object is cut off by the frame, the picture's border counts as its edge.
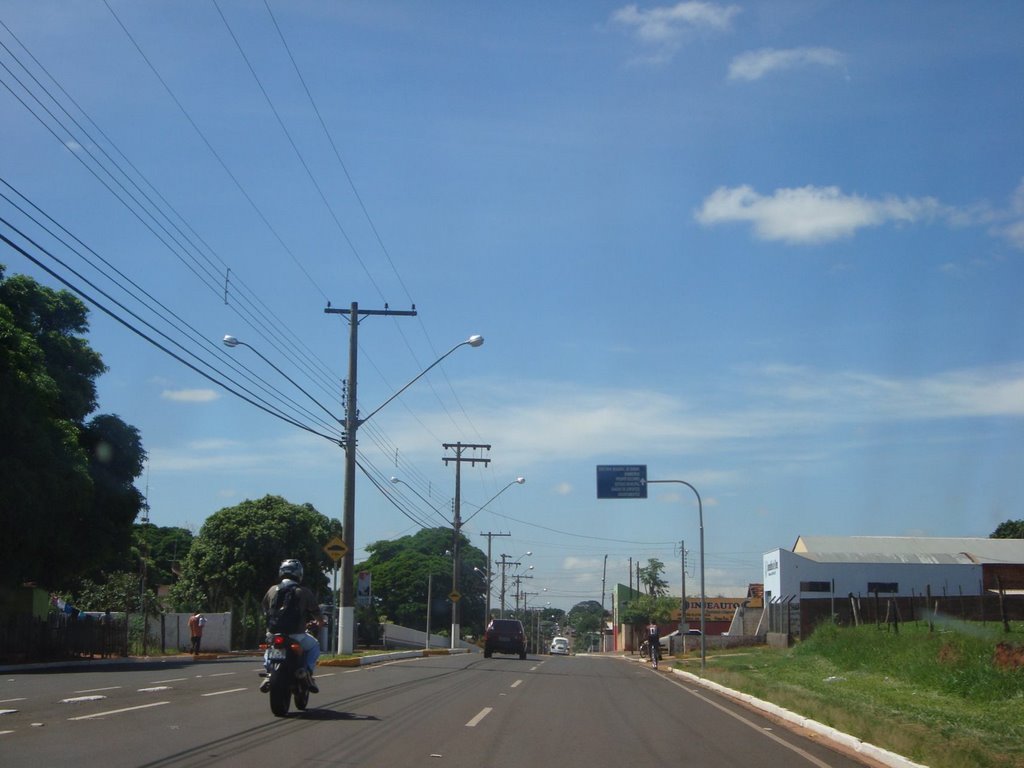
(444, 711)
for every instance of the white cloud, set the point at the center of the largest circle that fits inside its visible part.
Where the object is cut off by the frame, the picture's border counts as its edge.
(756, 406)
(754, 65)
(663, 29)
(808, 215)
(189, 395)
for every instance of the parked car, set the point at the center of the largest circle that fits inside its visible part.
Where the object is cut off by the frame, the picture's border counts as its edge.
(505, 636)
(560, 646)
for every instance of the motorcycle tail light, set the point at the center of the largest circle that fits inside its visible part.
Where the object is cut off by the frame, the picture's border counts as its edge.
(280, 641)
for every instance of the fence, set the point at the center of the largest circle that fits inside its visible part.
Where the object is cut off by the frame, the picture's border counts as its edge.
(26, 638)
(798, 617)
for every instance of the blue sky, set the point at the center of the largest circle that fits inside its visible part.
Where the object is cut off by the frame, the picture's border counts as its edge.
(773, 249)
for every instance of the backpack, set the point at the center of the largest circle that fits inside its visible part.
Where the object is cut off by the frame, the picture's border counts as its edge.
(284, 616)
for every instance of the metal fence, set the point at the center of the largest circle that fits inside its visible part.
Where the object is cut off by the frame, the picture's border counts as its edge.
(797, 616)
(25, 638)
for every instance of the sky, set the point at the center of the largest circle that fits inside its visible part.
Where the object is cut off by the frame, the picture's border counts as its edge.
(773, 249)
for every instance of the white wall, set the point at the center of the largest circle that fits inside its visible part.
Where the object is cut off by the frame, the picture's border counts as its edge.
(784, 570)
(175, 634)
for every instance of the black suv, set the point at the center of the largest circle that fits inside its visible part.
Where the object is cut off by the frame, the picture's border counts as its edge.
(505, 636)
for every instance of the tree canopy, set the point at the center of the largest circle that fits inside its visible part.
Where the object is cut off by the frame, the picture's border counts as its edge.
(235, 557)
(66, 495)
(401, 569)
(650, 577)
(1011, 529)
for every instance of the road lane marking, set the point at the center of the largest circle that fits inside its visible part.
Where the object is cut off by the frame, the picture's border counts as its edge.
(80, 699)
(6, 701)
(7, 711)
(154, 688)
(516, 684)
(119, 711)
(480, 716)
(97, 690)
(759, 728)
(230, 690)
(172, 680)
(222, 674)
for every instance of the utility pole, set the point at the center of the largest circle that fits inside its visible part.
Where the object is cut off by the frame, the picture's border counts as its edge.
(604, 575)
(458, 458)
(490, 537)
(347, 611)
(682, 600)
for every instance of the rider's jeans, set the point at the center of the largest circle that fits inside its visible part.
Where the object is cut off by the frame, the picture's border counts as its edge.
(310, 647)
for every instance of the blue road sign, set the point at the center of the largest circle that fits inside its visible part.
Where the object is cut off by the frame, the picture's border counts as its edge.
(622, 481)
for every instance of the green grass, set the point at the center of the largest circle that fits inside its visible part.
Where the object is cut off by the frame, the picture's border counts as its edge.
(935, 697)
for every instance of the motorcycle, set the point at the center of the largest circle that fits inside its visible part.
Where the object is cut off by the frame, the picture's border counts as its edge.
(289, 678)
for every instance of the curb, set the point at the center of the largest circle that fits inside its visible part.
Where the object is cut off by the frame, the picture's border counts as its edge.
(883, 756)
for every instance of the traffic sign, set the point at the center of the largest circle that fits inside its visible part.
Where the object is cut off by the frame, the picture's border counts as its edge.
(454, 596)
(622, 481)
(336, 548)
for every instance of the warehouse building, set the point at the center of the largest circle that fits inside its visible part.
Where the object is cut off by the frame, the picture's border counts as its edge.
(903, 571)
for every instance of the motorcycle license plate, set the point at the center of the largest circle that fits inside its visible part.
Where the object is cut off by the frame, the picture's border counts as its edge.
(276, 654)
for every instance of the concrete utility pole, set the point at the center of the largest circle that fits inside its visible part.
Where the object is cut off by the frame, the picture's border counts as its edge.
(458, 458)
(682, 600)
(604, 575)
(490, 537)
(347, 616)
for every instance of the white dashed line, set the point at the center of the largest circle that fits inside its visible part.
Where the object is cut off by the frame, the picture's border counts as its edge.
(480, 716)
(221, 693)
(118, 711)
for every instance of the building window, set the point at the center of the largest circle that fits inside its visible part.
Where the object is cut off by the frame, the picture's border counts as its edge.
(889, 587)
(815, 586)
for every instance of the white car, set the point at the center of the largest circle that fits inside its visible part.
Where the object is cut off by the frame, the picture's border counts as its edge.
(560, 646)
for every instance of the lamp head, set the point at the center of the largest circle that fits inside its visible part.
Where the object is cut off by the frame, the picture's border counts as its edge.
(396, 480)
(475, 340)
(231, 341)
(520, 480)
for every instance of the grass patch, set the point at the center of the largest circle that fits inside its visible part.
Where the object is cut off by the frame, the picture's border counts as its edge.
(935, 697)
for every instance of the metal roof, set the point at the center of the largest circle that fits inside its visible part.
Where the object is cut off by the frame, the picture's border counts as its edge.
(910, 549)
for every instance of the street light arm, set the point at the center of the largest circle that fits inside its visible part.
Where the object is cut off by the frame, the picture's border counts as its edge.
(397, 480)
(231, 341)
(472, 341)
(517, 481)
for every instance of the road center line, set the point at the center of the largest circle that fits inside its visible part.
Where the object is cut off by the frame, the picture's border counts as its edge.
(480, 716)
(230, 690)
(118, 711)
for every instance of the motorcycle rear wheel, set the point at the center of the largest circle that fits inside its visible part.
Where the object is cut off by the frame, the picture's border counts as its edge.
(280, 694)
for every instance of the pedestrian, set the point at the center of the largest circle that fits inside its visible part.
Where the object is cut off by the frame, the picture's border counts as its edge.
(195, 628)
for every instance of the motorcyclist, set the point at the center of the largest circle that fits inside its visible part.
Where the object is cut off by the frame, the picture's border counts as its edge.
(290, 572)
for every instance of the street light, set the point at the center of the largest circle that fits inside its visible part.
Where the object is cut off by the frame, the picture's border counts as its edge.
(351, 423)
(232, 342)
(346, 619)
(397, 480)
(703, 598)
(517, 481)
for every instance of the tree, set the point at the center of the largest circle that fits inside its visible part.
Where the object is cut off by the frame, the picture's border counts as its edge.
(1011, 529)
(586, 617)
(401, 569)
(66, 497)
(650, 577)
(163, 550)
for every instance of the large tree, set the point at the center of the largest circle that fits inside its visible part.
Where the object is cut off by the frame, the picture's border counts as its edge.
(1011, 529)
(402, 568)
(66, 497)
